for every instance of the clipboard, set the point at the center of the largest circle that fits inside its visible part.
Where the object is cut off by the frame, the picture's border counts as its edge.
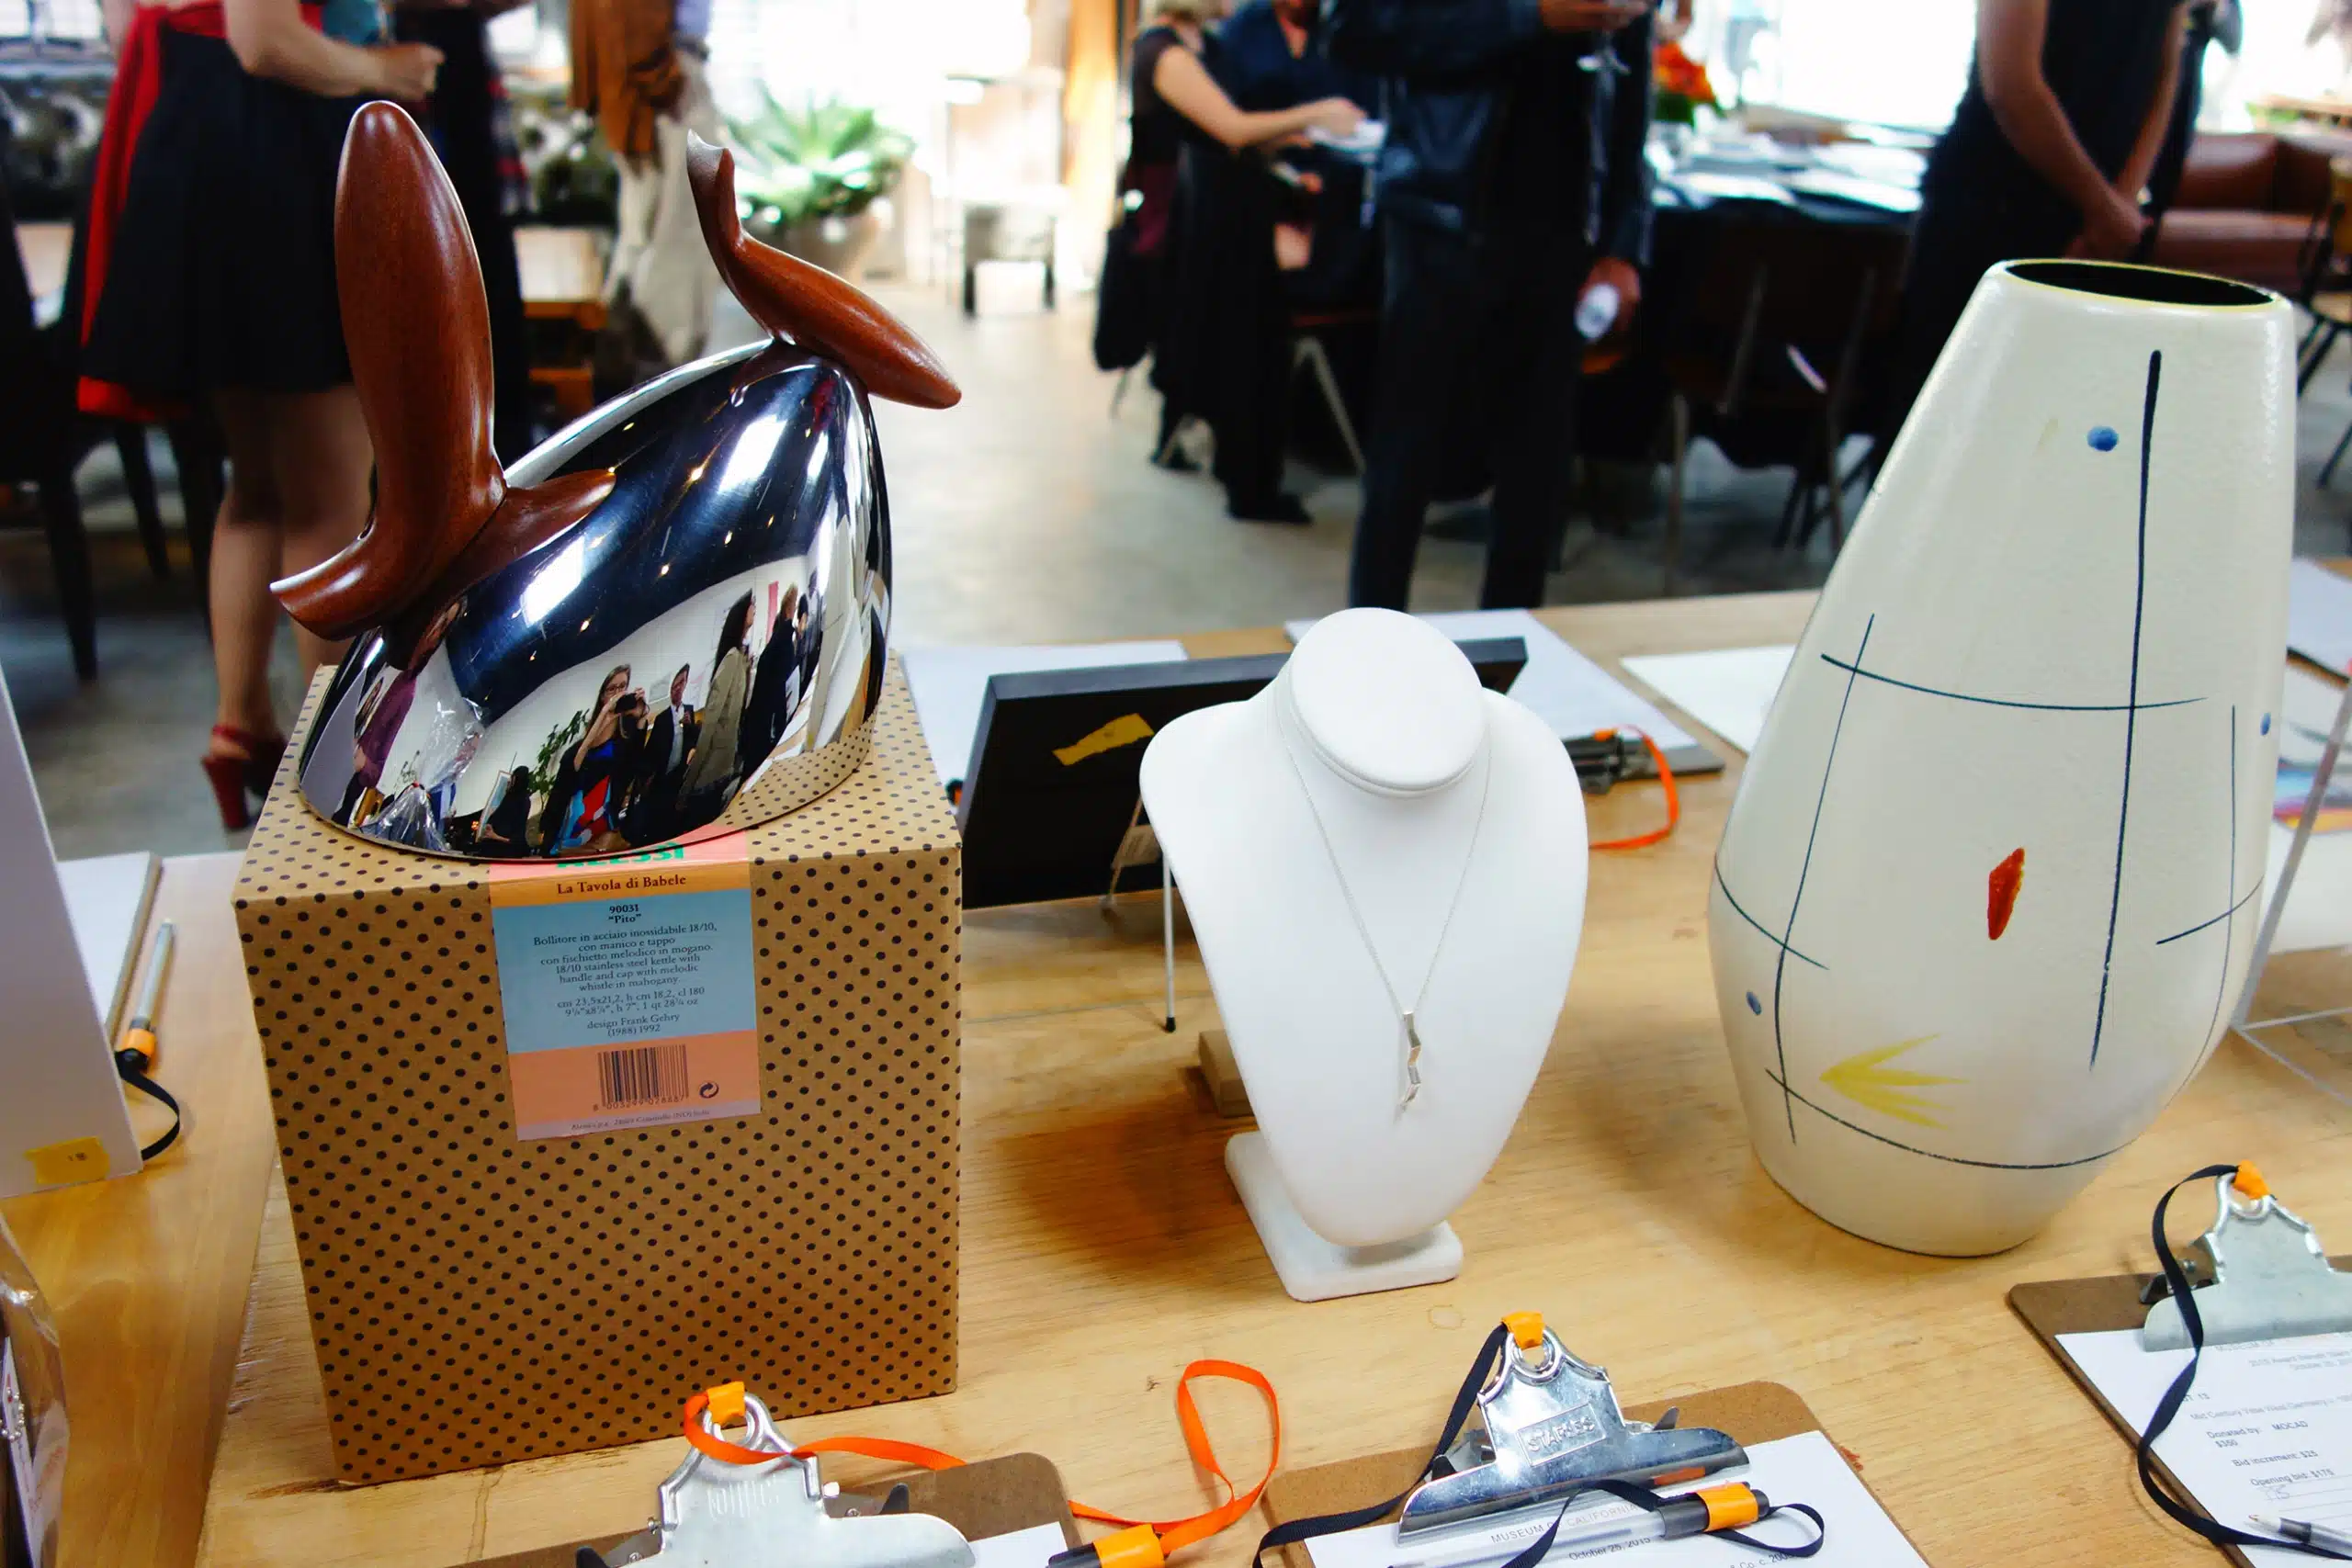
(2099, 1305)
(1751, 1413)
(995, 1497)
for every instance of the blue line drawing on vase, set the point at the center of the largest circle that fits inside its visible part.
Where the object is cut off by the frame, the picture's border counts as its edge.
(1856, 669)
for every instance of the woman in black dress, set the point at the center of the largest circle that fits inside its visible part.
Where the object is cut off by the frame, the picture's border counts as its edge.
(211, 280)
(1179, 113)
(2052, 142)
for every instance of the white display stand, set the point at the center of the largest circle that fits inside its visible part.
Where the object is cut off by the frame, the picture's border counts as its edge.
(1313, 1269)
(1373, 833)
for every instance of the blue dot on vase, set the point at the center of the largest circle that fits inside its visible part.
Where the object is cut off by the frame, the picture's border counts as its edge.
(2265, 724)
(2102, 438)
(1752, 1005)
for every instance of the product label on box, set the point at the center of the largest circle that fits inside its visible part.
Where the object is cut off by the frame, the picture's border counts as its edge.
(627, 989)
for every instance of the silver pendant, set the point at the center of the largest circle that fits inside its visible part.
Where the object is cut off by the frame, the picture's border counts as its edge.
(1411, 1042)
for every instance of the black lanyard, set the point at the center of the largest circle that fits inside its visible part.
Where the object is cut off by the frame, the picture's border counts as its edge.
(2186, 1513)
(1641, 1497)
(132, 1067)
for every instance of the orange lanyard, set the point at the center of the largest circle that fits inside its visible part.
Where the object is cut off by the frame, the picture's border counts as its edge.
(1673, 800)
(725, 1405)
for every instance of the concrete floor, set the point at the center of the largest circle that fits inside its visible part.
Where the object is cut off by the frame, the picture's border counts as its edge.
(1027, 514)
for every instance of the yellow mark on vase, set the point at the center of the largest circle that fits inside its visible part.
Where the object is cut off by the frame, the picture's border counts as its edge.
(1124, 731)
(1867, 1080)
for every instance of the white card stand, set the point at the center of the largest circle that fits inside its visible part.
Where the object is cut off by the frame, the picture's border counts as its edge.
(62, 1117)
(1313, 1269)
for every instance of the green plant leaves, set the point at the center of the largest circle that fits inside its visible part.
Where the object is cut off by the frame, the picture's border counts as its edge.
(822, 159)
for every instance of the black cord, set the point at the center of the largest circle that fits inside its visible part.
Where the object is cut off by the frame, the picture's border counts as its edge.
(1356, 1519)
(132, 1067)
(2185, 1512)
(1640, 1496)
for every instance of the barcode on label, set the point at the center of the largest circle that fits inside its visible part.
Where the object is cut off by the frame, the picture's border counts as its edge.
(642, 1075)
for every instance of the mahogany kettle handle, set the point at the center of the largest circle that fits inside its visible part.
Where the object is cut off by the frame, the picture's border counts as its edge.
(417, 326)
(807, 304)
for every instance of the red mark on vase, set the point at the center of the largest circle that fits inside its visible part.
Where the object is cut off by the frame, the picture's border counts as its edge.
(2001, 892)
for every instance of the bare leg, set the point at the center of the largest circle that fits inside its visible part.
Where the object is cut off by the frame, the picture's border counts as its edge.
(297, 492)
(245, 560)
(323, 459)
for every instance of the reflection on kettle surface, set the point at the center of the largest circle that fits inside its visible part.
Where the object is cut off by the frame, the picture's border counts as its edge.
(706, 647)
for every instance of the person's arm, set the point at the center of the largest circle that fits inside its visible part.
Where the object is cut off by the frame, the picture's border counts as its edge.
(117, 14)
(1410, 38)
(1185, 85)
(2144, 152)
(601, 730)
(271, 39)
(1625, 229)
(2009, 36)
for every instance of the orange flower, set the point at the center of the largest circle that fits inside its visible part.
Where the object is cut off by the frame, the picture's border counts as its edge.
(1682, 77)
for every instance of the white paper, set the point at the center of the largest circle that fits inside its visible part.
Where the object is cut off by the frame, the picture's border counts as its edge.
(1806, 1468)
(2267, 1429)
(106, 898)
(2318, 907)
(2319, 616)
(1729, 689)
(949, 684)
(1021, 1548)
(1566, 691)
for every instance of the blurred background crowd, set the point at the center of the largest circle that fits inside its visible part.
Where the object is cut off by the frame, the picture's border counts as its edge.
(1427, 302)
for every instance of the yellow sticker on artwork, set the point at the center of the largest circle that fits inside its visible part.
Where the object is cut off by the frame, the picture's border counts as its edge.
(1124, 731)
(61, 1165)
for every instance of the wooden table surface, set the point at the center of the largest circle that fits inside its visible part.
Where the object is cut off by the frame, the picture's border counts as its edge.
(562, 269)
(1104, 1248)
(148, 1274)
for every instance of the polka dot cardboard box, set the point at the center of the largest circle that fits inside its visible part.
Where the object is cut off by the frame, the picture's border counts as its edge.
(480, 1295)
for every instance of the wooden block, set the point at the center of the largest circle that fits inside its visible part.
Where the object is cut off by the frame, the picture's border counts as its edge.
(1223, 1074)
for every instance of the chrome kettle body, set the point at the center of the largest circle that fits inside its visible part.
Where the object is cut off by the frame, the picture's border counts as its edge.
(669, 620)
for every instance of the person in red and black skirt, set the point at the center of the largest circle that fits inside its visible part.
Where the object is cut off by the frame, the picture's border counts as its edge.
(211, 280)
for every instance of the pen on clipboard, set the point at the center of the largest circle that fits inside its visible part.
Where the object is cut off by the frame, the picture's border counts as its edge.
(1694, 1513)
(138, 1030)
(2304, 1533)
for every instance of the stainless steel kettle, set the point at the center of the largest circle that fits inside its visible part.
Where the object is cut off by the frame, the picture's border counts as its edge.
(669, 620)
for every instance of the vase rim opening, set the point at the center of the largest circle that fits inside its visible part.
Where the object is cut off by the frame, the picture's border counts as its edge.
(2134, 283)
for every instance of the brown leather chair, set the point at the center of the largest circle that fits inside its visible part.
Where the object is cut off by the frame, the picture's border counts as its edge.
(2253, 206)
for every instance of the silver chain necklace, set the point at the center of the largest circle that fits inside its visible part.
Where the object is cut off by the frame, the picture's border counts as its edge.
(1408, 1029)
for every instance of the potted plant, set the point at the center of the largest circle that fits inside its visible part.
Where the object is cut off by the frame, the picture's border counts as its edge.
(809, 178)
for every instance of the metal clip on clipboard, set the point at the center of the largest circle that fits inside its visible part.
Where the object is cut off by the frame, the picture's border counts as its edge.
(779, 1515)
(1552, 1427)
(2270, 1279)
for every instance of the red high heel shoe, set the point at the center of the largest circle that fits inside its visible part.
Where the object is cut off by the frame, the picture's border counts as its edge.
(240, 783)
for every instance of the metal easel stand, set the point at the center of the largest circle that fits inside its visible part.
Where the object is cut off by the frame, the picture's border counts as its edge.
(2240, 1024)
(1140, 845)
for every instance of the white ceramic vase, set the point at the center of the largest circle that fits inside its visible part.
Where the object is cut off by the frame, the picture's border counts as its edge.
(1988, 891)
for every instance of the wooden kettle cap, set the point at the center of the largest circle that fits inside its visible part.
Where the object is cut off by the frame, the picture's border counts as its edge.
(417, 325)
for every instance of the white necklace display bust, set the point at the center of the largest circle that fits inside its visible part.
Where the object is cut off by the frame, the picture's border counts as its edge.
(1347, 803)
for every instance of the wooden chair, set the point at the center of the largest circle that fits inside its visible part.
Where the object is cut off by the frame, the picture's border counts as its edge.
(1771, 346)
(44, 437)
(1308, 352)
(2327, 290)
(563, 298)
